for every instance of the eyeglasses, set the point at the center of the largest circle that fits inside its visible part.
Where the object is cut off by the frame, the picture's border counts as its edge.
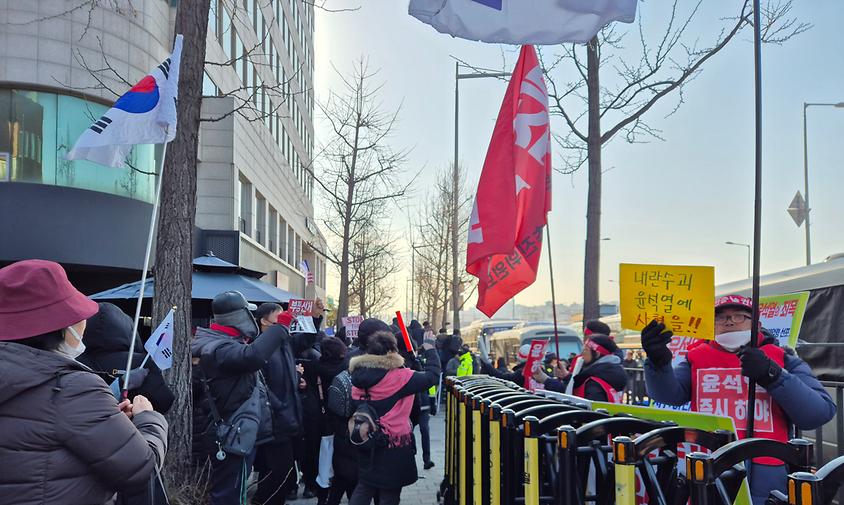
(733, 318)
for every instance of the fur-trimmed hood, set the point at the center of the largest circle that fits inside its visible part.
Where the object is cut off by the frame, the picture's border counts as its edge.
(384, 362)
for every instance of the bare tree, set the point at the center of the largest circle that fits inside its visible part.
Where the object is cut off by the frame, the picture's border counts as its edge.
(665, 64)
(359, 170)
(435, 253)
(373, 264)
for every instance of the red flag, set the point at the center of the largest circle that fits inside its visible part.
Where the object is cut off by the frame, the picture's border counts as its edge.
(514, 192)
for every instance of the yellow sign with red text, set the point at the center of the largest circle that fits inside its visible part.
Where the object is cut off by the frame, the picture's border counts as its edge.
(681, 297)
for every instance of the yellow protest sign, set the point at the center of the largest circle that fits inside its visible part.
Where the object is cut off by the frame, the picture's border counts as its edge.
(682, 297)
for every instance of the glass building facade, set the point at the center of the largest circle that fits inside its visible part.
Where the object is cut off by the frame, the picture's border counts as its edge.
(37, 129)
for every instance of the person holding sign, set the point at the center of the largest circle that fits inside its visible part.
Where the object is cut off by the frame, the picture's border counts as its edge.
(601, 378)
(715, 377)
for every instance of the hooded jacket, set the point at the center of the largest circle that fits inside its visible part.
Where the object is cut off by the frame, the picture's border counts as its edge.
(62, 437)
(107, 340)
(387, 381)
(230, 366)
(607, 368)
(283, 382)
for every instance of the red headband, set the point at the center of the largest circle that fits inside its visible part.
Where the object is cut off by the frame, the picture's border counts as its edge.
(587, 332)
(598, 348)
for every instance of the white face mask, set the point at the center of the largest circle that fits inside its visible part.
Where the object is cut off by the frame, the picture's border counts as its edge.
(733, 340)
(70, 351)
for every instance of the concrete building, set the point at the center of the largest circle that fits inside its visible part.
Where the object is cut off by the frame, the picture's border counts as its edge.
(60, 68)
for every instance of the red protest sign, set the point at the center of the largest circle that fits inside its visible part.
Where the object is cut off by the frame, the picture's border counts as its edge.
(723, 392)
(535, 355)
(301, 307)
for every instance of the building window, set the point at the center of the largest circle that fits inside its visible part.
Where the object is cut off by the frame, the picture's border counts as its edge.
(298, 251)
(291, 245)
(282, 239)
(272, 232)
(245, 206)
(239, 59)
(208, 86)
(226, 35)
(261, 218)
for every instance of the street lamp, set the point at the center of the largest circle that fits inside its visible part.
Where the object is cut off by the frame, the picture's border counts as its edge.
(749, 257)
(455, 177)
(806, 106)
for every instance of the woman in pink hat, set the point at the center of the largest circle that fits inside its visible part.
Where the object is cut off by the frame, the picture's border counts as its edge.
(63, 436)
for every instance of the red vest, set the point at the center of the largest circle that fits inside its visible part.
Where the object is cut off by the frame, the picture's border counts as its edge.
(719, 388)
(613, 396)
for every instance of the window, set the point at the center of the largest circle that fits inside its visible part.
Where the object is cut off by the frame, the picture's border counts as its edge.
(282, 239)
(226, 36)
(239, 60)
(261, 221)
(208, 86)
(272, 232)
(212, 18)
(291, 245)
(245, 206)
(298, 251)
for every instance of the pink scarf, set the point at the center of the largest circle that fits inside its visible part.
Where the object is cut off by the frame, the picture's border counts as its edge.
(395, 423)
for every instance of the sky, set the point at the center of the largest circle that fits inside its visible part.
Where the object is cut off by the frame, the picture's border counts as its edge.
(671, 201)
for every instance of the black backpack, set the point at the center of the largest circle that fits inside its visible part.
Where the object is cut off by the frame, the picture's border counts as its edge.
(339, 399)
(365, 428)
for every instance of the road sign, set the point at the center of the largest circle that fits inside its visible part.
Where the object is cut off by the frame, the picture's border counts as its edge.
(797, 209)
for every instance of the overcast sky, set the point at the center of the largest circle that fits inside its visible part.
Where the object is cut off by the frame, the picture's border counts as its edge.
(674, 201)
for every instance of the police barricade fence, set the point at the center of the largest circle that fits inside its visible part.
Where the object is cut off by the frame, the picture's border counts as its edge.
(509, 446)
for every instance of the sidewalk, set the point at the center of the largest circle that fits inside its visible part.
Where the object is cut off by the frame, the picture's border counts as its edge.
(424, 491)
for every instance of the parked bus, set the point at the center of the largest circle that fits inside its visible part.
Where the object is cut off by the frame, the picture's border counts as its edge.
(505, 344)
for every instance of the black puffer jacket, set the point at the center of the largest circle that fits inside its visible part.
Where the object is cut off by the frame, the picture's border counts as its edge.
(107, 339)
(283, 382)
(62, 438)
(230, 366)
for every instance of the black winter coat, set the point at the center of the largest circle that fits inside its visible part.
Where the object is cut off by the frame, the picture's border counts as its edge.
(283, 383)
(608, 369)
(230, 366)
(345, 459)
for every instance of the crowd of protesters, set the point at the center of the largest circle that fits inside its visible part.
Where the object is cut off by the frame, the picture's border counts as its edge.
(275, 410)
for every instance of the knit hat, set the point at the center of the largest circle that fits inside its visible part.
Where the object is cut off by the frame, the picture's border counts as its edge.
(36, 298)
(595, 326)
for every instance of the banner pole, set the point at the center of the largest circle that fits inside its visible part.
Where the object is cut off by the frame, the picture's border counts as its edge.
(156, 204)
(757, 206)
(553, 295)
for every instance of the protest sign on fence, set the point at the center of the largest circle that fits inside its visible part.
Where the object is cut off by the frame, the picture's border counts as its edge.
(782, 315)
(352, 323)
(679, 296)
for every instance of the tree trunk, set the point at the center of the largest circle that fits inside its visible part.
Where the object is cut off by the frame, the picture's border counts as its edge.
(174, 246)
(591, 308)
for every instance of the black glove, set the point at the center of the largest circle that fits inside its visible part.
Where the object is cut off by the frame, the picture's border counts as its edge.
(655, 343)
(759, 367)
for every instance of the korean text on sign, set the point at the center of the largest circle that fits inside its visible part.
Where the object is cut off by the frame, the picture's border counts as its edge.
(782, 315)
(301, 307)
(678, 296)
(723, 392)
(535, 356)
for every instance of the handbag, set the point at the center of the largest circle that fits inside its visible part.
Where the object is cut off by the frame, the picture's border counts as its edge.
(238, 434)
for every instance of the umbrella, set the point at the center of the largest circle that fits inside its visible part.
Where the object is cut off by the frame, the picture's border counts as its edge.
(211, 276)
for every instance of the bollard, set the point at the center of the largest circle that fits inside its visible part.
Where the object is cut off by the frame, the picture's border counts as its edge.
(495, 455)
(567, 463)
(624, 457)
(461, 451)
(699, 476)
(477, 451)
(466, 447)
(803, 489)
(805, 454)
(508, 418)
(531, 468)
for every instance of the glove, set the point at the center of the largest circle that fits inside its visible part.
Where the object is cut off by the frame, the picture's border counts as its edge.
(136, 377)
(759, 367)
(655, 343)
(285, 319)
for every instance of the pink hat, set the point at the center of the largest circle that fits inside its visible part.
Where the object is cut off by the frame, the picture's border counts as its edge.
(736, 301)
(37, 298)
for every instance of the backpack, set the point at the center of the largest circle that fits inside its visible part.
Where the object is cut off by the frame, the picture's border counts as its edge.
(365, 428)
(340, 395)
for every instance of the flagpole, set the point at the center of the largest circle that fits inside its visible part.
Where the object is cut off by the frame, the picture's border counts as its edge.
(757, 208)
(553, 295)
(156, 204)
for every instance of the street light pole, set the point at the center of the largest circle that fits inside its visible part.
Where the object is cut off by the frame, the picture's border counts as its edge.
(806, 171)
(749, 257)
(455, 280)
